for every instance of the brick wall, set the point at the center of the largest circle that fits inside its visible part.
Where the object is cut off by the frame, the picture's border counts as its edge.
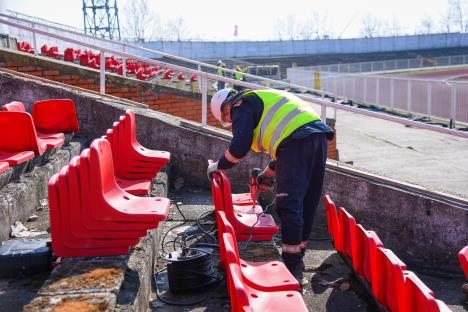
(170, 100)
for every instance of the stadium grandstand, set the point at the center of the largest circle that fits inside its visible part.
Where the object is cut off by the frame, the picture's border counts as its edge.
(105, 204)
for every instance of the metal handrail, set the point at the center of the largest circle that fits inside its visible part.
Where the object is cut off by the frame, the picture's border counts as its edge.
(205, 76)
(178, 58)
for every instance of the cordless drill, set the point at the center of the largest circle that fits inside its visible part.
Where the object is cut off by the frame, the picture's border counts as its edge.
(254, 182)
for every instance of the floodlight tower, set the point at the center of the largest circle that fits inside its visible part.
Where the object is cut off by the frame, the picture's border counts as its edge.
(101, 18)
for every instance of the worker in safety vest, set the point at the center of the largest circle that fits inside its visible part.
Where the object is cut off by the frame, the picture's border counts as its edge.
(238, 76)
(220, 72)
(284, 126)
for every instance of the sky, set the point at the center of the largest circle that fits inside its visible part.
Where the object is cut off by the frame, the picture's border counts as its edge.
(255, 19)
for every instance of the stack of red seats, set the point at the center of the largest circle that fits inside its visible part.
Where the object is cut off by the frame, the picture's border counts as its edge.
(394, 287)
(249, 221)
(255, 286)
(91, 215)
(134, 165)
(25, 46)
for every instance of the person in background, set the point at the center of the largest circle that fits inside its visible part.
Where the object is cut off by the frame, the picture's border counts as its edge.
(220, 72)
(285, 127)
(238, 76)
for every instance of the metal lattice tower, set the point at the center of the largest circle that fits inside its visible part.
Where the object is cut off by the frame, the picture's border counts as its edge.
(101, 19)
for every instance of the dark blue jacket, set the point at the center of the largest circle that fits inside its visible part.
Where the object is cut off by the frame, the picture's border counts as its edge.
(245, 118)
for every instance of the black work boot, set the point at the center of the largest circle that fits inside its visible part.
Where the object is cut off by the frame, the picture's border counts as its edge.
(296, 271)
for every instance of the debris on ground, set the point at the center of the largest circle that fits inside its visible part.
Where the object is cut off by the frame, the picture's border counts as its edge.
(18, 230)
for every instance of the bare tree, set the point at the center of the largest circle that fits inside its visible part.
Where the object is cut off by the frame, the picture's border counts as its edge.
(446, 21)
(177, 29)
(426, 26)
(457, 9)
(371, 27)
(140, 22)
(286, 28)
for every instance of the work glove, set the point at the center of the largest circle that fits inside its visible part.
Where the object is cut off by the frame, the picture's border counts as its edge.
(212, 167)
(266, 179)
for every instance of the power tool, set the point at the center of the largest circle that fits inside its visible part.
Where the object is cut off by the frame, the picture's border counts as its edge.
(254, 182)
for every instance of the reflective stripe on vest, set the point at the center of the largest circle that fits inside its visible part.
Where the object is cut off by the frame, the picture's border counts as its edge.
(282, 114)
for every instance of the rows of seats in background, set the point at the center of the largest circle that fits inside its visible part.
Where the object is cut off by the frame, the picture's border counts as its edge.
(113, 64)
(394, 287)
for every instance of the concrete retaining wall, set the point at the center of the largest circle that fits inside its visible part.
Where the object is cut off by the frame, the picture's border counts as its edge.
(229, 49)
(420, 229)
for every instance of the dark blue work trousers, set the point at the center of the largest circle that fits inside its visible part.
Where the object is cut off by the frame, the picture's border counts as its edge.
(300, 170)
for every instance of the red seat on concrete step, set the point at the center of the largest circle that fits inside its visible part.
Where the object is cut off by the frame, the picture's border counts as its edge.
(111, 201)
(55, 115)
(84, 241)
(18, 135)
(263, 225)
(90, 205)
(417, 296)
(388, 281)
(53, 52)
(58, 245)
(265, 275)
(347, 232)
(245, 298)
(44, 49)
(463, 257)
(70, 55)
(367, 243)
(19, 107)
(135, 187)
(4, 166)
(333, 223)
(242, 199)
(79, 226)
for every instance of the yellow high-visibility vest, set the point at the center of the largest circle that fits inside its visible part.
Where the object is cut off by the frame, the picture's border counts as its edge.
(282, 114)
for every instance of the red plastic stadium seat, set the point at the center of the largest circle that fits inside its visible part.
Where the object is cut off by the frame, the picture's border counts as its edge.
(78, 198)
(19, 135)
(417, 296)
(69, 55)
(112, 203)
(463, 257)
(333, 223)
(44, 49)
(25, 47)
(263, 225)
(19, 107)
(266, 276)
(168, 74)
(53, 52)
(55, 115)
(135, 187)
(245, 298)
(367, 243)
(4, 166)
(442, 307)
(347, 232)
(193, 78)
(59, 245)
(133, 158)
(387, 285)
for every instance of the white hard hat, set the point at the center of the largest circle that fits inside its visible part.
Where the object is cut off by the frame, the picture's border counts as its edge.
(216, 102)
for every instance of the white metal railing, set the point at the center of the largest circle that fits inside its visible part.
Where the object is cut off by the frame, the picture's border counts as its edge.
(387, 65)
(206, 76)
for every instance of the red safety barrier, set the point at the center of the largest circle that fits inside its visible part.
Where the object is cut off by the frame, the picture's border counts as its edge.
(20, 135)
(463, 257)
(266, 276)
(347, 232)
(245, 298)
(19, 107)
(4, 166)
(333, 223)
(367, 243)
(55, 115)
(260, 227)
(417, 296)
